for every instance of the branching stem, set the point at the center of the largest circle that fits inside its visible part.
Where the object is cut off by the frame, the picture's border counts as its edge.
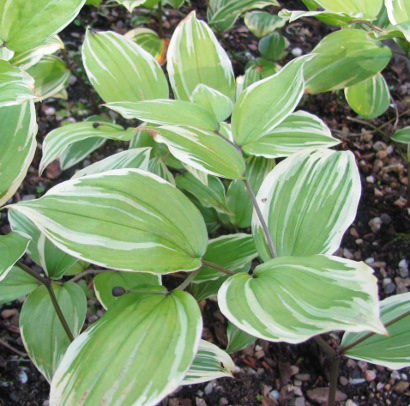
(217, 267)
(187, 281)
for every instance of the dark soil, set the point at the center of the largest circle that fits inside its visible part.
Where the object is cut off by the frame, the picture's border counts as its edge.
(268, 374)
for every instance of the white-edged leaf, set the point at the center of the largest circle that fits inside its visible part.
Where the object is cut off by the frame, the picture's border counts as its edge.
(122, 219)
(237, 339)
(262, 23)
(298, 131)
(294, 298)
(121, 70)
(18, 131)
(209, 363)
(369, 9)
(41, 330)
(398, 11)
(168, 112)
(130, 4)
(402, 135)
(265, 104)
(16, 284)
(158, 167)
(58, 140)
(391, 351)
(308, 201)
(143, 374)
(195, 57)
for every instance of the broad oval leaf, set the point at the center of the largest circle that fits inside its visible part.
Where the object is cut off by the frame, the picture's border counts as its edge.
(237, 338)
(27, 24)
(294, 298)
(368, 8)
(144, 373)
(121, 70)
(402, 135)
(41, 330)
(370, 98)
(16, 284)
(265, 104)
(201, 149)
(168, 112)
(18, 139)
(210, 362)
(344, 58)
(298, 131)
(122, 219)
(392, 351)
(308, 201)
(398, 11)
(195, 57)
(273, 46)
(262, 23)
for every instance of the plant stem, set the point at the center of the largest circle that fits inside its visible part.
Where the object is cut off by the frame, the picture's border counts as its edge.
(217, 267)
(84, 273)
(261, 219)
(34, 274)
(334, 373)
(325, 346)
(187, 281)
(363, 122)
(159, 18)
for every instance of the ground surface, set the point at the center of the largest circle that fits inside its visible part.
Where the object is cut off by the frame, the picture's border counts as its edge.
(268, 374)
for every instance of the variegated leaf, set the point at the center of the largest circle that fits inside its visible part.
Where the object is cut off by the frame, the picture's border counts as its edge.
(16, 284)
(294, 298)
(369, 9)
(122, 219)
(153, 341)
(237, 338)
(398, 11)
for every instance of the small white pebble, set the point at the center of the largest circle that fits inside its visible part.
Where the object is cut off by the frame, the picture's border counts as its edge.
(23, 378)
(375, 224)
(403, 264)
(274, 394)
(370, 179)
(297, 51)
(369, 260)
(50, 111)
(395, 375)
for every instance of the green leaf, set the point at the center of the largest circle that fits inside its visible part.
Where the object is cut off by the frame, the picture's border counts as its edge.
(132, 158)
(58, 140)
(41, 330)
(27, 24)
(273, 46)
(143, 373)
(18, 144)
(239, 204)
(16, 284)
(16, 86)
(370, 98)
(79, 150)
(106, 281)
(130, 4)
(398, 11)
(402, 135)
(121, 70)
(391, 351)
(262, 23)
(195, 57)
(201, 149)
(280, 301)
(158, 167)
(368, 8)
(255, 70)
(122, 219)
(12, 247)
(168, 112)
(265, 104)
(308, 201)
(237, 339)
(298, 131)
(209, 363)
(344, 58)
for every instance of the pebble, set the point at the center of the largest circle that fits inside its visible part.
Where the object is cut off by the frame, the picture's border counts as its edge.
(351, 363)
(343, 381)
(356, 381)
(369, 375)
(349, 402)
(395, 375)
(23, 378)
(385, 218)
(28, 197)
(200, 402)
(303, 377)
(375, 224)
(223, 402)
(370, 179)
(8, 313)
(274, 394)
(403, 376)
(388, 288)
(209, 387)
(297, 51)
(50, 111)
(401, 386)
(362, 365)
(379, 146)
(299, 401)
(347, 254)
(369, 260)
(380, 386)
(403, 268)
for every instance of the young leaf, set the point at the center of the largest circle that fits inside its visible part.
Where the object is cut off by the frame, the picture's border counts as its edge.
(398, 11)
(158, 167)
(153, 339)
(122, 219)
(27, 24)
(16, 284)
(402, 135)
(262, 23)
(237, 339)
(369, 9)
(41, 330)
(79, 150)
(308, 201)
(273, 46)
(209, 363)
(120, 70)
(265, 104)
(131, 4)
(294, 298)
(392, 351)
(18, 144)
(195, 57)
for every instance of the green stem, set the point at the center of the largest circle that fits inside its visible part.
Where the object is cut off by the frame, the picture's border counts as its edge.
(325, 346)
(34, 274)
(363, 122)
(217, 267)
(261, 219)
(187, 281)
(334, 373)
(159, 18)
(84, 273)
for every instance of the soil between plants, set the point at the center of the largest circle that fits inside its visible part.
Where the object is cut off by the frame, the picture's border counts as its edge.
(268, 374)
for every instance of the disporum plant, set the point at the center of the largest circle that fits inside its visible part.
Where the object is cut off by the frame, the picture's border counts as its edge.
(202, 159)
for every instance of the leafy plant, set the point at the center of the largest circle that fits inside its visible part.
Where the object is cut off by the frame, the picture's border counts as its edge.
(204, 159)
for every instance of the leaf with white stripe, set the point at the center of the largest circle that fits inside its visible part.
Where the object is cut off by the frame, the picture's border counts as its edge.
(308, 201)
(16, 86)
(265, 104)
(58, 140)
(132, 158)
(121, 70)
(12, 247)
(195, 57)
(295, 298)
(369, 9)
(41, 330)
(122, 219)
(130, 4)
(398, 11)
(344, 58)
(201, 149)
(392, 351)
(153, 339)
(172, 112)
(18, 144)
(210, 363)
(158, 167)
(27, 24)
(298, 131)
(402, 135)
(262, 23)
(370, 98)
(237, 339)
(16, 284)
